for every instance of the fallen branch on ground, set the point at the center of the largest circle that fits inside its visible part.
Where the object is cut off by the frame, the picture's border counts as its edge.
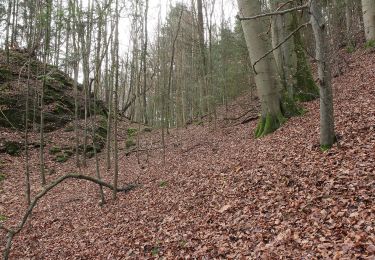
(12, 232)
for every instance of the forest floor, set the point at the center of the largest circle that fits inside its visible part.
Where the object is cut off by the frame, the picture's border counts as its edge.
(221, 194)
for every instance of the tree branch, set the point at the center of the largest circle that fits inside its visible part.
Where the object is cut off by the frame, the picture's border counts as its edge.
(13, 232)
(274, 13)
(278, 46)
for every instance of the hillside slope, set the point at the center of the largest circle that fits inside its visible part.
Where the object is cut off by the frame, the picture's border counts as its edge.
(221, 194)
(59, 93)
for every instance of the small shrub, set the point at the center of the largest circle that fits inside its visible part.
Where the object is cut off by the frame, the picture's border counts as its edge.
(3, 218)
(2, 177)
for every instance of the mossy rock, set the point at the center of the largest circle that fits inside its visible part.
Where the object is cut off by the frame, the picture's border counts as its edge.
(101, 132)
(61, 109)
(55, 150)
(62, 78)
(130, 143)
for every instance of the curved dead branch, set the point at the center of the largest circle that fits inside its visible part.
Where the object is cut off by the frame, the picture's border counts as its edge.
(13, 232)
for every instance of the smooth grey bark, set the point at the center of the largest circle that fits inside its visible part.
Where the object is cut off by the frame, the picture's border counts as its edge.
(72, 9)
(327, 133)
(349, 22)
(45, 60)
(266, 79)
(285, 56)
(7, 30)
(116, 103)
(27, 170)
(144, 99)
(368, 9)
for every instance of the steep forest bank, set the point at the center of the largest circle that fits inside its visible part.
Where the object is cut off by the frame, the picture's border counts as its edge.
(222, 193)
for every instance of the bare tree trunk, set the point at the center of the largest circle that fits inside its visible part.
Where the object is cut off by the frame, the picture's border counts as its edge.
(145, 117)
(7, 30)
(348, 20)
(75, 84)
(203, 94)
(266, 78)
(368, 9)
(115, 59)
(27, 173)
(327, 134)
(97, 169)
(45, 60)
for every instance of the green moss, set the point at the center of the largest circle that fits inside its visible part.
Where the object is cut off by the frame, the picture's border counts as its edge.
(290, 107)
(60, 109)
(5, 74)
(54, 150)
(13, 148)
(260, 127)
(2, 177)
(69, 128)
(350, 48)
(3, 218)
(325, 147)
(306, 89)
(130, 143)
(155, 251)
(69, 152)
(131, 132)
(370, 44)
(62, 157)
(61, 78)
(268, 124)
(163, 184)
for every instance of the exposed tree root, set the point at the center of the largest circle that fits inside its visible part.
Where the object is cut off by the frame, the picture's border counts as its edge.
(268, 124)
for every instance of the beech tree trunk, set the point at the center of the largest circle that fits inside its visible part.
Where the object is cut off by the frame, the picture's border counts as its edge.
(285, 57)
(368, 9)
(327, 134)
(266, 79)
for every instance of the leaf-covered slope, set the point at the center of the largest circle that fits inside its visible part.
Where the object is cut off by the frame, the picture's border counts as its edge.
(222, 194)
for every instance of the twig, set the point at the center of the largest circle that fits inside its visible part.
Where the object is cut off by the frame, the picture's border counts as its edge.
(13, 232)
(274, 13)
(278, 46)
